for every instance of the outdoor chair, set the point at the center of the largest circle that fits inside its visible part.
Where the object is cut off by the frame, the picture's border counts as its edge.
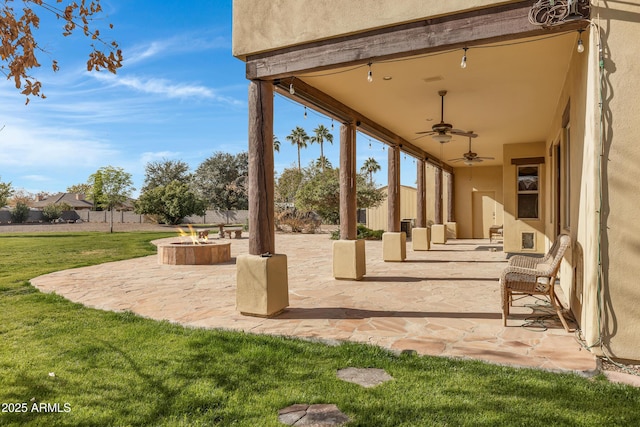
(528, 275)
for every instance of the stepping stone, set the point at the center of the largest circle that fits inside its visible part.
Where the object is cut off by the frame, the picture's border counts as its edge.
(366, 377)
(320, 415)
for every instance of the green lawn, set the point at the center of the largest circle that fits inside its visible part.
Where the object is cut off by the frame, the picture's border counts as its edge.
(109, 369)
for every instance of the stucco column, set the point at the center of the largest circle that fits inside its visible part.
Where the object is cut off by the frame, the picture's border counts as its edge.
(393, 198)
(261, 177)
(348, 214)
(421, 215)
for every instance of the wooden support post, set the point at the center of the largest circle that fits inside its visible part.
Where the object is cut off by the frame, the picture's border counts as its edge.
(261, 179)
(451, 217)
(421, 215)
(393, 197)
(348, 214)
(438, 196)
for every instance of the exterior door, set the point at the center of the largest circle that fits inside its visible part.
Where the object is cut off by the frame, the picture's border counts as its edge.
(484, 213)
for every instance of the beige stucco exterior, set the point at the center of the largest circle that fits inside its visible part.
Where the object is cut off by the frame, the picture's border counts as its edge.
(254, 31)
(470, 180)
(598, 206)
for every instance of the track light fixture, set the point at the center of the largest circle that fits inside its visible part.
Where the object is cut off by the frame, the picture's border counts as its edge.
(370, 73)
(292, 91)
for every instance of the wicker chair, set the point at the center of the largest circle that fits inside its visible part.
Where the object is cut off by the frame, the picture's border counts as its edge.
(534, 276)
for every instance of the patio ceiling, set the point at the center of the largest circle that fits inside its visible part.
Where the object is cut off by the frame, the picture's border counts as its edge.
(508, 93)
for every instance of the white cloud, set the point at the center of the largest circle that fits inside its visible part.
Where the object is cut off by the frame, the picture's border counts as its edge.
(167, 88)
(182, 43)
(27, 146)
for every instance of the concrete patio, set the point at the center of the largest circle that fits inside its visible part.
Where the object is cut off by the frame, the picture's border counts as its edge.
(442, 302)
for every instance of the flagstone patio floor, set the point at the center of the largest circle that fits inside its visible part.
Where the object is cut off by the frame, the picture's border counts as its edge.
(442, 302)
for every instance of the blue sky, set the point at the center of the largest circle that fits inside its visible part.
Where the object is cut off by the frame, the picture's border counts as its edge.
(180, 95)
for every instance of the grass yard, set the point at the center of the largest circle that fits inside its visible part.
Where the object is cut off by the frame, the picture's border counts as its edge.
(116, 369)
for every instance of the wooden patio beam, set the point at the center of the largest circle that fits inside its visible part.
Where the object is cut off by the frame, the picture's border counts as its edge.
(421, 202)
(393, 190)
(261, 166)
(348, 196)
(477, 27)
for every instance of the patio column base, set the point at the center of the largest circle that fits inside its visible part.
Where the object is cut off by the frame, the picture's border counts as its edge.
(349, 260)
(394, 246)
(451, 229)
(421, 239)
(262, 285)
(438, 234)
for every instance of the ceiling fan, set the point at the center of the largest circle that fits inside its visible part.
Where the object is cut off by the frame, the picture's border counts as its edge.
(442, 131)
(470, 157)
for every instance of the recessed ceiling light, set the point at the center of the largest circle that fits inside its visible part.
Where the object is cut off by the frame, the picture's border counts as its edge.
(387, 78)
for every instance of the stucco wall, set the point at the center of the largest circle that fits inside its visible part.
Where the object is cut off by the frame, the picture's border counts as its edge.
(266, 25)
(472, 179)
(514, 227)
(621, 202)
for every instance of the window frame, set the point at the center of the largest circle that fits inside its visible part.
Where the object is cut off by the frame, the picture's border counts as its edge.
(524, 192)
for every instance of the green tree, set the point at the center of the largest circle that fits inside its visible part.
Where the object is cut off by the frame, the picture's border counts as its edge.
(96, 190)
(163, 172)
(321, 134)
(222, 179)
(288, 184)
(172, 202)
(299, 138)
(112, 187)
(370, 167)
(84, 189)
(320, 193)
(20, 213)
(276, 143)
(18, 45)
(6, 191)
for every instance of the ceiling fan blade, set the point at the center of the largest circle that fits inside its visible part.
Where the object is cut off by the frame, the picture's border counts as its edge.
(426, 132)
(486, 158)
(463, 133)
(459, 159)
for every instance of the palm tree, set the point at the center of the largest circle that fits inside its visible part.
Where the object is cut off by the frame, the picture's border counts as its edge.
(276, 143)
(321, 134)
(370, 167)
(300, 138)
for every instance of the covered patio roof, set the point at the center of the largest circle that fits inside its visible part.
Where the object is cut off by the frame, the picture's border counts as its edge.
(508, 92)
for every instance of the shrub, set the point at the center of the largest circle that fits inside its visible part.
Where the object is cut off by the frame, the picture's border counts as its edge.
(298, 221)
(54, 211)
(20, 213)
(363, 233)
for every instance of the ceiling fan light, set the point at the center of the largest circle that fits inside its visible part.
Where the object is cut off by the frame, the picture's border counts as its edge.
(442, 137)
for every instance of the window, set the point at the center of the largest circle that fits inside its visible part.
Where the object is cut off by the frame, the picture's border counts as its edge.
(528, 191)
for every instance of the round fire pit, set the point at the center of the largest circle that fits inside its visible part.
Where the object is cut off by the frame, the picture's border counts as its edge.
(188, 253)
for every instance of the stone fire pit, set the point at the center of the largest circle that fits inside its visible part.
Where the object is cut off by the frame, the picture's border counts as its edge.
(189, 253)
